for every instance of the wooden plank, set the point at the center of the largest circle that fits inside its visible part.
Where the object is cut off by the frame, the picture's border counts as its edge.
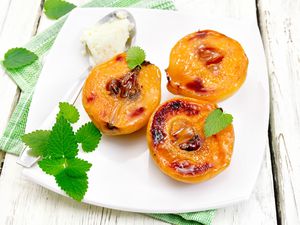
(280, 28)
(259, 209)
(18, 195)
(29, 204)
(14, 32)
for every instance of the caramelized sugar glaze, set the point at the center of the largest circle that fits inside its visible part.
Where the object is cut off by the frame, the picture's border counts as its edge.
(178, 145)
(119, 100)
(206, 65)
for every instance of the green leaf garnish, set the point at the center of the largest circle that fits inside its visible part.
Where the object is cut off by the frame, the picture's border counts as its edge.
(62, 140)
(18, 57)
(75, 187)
(135, 57)
(89, 136)
(59, 149)
(77, 167)
(216, 121)
(55, 9)
(68, 111)
(70, 175)
(52, 166)
(37, 141)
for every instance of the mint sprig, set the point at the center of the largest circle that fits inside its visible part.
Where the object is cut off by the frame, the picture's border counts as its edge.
(36, 141)
(69, 112)
(89, 136)
(62, 141)
(75, 187)
(216, 121)
(135, 57)
(52, 166)
(58, 149)
(18, 57)
(55, 9)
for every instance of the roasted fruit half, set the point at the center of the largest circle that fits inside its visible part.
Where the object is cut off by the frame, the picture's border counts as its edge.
(119, 100)
(177, 143)
(206, 65)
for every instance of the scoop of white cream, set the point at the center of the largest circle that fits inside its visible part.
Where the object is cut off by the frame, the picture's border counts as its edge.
(103, 41)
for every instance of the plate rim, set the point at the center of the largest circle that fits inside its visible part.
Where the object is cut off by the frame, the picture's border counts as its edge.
(218, 204)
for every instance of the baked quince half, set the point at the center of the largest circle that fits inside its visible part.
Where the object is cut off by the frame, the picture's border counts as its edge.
(119, 100)
(177, 143)
(206, 65)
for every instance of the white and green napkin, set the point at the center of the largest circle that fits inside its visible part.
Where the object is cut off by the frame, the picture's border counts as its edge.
(26, 78)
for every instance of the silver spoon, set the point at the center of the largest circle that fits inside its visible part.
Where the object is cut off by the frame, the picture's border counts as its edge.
(27, 160)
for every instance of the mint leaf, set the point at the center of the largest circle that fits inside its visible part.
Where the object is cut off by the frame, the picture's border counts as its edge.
(74, 167)
(135, 57)
(52, 166)
(77, 167)
(70, 175)
(55, 9)
(75, 187)
(216, 121)
(62, 141)
(59, 148)
(89, 136)
(68, 111)
(37, 141)
(18, 57)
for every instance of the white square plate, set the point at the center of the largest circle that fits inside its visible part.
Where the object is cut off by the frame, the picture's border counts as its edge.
(123, 175)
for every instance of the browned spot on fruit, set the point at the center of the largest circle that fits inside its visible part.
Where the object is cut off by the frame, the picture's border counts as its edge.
(91, 97)
(197, 86)
(113, 86)
(191, 145)
(137, 112)
(110, 126)
(126, 86)
(169, 109)
(199, 34)
(146, 63)
(210, 55)
(119, 58)
(186, 168)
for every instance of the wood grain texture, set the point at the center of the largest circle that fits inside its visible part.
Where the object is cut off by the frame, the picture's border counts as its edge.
(18, 20)
(25, 203)
(280, 28)
(259, 209)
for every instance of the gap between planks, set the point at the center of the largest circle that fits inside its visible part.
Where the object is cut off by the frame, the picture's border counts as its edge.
(274, 172)
(279, 26)
(2, 157)
(38, 18)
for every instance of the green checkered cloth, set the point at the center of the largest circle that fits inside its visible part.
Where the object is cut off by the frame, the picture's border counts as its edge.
(27, 77)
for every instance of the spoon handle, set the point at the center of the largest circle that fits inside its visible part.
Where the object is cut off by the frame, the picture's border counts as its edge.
(27, 160)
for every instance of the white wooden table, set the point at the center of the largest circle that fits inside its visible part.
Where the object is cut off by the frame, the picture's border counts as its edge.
(276, 197)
